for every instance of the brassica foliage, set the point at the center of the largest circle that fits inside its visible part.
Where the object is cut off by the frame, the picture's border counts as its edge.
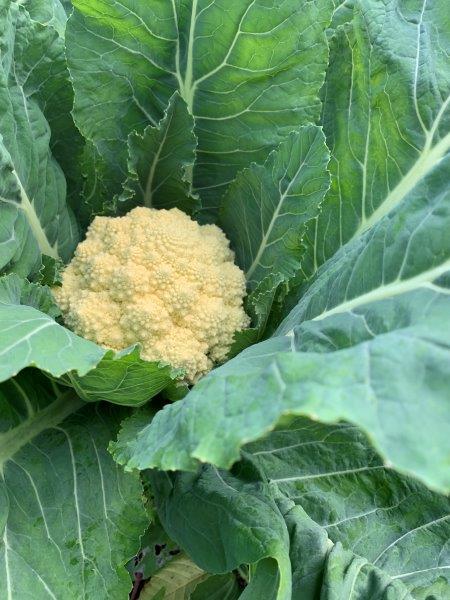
(314, 463)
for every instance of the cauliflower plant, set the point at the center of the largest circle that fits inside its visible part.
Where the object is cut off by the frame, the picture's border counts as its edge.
(158, 278)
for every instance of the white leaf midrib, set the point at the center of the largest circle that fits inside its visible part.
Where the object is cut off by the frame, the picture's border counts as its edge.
(187, 90)
(189, 85)
(7, 570)
(389, 290)
(327, 474)
(77, 505)
(429, 158)
(149, 190)
(28, 208)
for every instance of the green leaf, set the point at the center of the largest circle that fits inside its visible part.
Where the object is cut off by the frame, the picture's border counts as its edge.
(386, 115)
(325, 489)
(160, 161)
(29, 337)
(264, 210)
(249, 73)
(395, 523)
(123, 378)
(69, 519)
(368, 343)
(230, 521)
(95, 194)
(178, 579)
(51, 272)
(35, 218)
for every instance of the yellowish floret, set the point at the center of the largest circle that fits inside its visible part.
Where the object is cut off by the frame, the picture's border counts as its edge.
(158, 278)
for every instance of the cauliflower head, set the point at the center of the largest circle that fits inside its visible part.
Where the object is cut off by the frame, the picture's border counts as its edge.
(158, 278)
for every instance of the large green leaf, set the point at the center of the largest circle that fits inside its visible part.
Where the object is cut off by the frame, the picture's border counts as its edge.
(396, 524)
(35, 218)
(160, 163)
(123, 378)
(223, 522)
(264, 210)
(386, 114)
(249, 71)
(320, 485)
(69, 519)
(30, 337)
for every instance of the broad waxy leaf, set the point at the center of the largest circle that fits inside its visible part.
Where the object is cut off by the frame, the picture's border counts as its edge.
(327, 486)
(264, 210)
(30, 337)
(159, 163)
(69, 519)
(35, 218)
(123, 378)
(261, 536)
(249, 71)
(386, 114)
(393, 522)
(264, 213)
(394, 386)
(367, 343)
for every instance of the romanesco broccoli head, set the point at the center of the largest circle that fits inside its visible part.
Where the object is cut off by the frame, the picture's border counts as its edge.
(158, 278)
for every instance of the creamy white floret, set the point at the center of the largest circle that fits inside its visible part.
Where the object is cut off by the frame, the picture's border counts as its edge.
(159, 278)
